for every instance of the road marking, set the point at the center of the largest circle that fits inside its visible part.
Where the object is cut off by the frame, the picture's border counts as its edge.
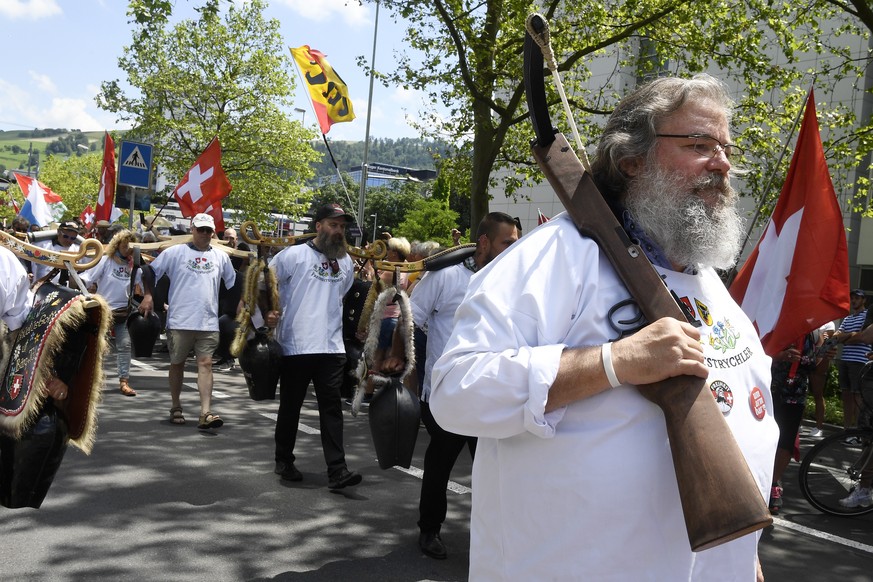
(822, 535)
(143, 365)
(414, 471)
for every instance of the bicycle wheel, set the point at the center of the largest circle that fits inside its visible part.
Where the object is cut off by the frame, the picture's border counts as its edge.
(831, 470)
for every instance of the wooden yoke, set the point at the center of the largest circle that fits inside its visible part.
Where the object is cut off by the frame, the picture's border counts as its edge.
(720, 498)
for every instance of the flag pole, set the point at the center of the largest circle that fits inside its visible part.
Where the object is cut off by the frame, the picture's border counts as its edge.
(338, 174)
(760, 207)
(363, 193)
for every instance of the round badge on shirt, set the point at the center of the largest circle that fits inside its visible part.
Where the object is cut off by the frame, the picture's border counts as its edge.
(757, 404)
(723, 395)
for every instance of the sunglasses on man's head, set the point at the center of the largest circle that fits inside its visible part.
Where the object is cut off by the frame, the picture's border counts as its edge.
(204, 229)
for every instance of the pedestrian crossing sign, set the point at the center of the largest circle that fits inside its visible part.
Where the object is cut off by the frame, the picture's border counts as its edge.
(135, 163)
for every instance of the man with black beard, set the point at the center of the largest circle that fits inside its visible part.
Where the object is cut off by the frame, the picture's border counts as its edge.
(573, 475)
(313, 279)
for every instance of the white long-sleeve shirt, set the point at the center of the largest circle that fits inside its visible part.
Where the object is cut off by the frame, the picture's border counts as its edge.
(586, 492)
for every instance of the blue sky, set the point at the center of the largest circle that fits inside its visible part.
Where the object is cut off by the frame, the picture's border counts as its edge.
(59, 51)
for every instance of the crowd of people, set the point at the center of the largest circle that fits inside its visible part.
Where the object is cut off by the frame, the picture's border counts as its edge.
(519, 357)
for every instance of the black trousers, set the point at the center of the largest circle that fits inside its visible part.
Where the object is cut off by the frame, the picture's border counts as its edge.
(440, 457)
(325, 371)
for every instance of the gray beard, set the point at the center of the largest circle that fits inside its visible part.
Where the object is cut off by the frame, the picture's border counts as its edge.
(330, 248)
(691, 233)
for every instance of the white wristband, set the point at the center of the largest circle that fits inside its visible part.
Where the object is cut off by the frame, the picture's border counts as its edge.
(606, 358)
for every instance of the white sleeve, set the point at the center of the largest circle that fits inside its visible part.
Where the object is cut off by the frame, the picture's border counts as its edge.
(14, 291)
(503, 355)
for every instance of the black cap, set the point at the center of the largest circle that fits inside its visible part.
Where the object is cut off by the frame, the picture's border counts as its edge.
(69, 225)
(859, 292)
(332, 211)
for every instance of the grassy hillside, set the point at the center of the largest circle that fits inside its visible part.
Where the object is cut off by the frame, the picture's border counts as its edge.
(14, 146)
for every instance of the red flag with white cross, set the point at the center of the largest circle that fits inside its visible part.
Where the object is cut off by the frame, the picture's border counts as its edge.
(205, 184)
(87, 218)
(797, 278)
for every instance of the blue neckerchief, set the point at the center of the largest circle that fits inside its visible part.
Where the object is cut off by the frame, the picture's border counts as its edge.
(652, 249)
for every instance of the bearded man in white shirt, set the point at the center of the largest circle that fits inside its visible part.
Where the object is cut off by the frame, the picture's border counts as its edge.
(195, 270)
(573, 476)
(313, 278)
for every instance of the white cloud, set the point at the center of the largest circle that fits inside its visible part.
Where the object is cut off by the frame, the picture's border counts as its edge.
(29, 9)
(350, 11)
(70, 114)
(43, 82)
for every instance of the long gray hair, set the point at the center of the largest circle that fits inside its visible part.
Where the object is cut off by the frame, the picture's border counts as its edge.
(630, 131)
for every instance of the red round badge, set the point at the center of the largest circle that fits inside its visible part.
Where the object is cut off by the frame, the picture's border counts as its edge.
(756, 402)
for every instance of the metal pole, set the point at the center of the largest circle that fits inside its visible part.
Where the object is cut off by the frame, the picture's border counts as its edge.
(375, 218)
(363, 193)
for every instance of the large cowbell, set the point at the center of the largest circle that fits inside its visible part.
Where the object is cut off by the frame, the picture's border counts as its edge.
(395, 417)
(259, 361)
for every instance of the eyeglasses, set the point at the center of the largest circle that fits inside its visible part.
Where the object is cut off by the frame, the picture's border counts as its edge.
(707, 146)
(204, 229)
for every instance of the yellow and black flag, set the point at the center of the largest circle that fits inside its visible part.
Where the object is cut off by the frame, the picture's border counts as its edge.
(329, 94)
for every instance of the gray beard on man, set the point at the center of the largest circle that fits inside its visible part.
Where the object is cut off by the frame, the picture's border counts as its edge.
(332, 248)
(688, 230)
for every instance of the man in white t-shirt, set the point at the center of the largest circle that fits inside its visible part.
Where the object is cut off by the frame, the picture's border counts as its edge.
(573, 476)
(313, 279)
(195, 270)
(65, 242)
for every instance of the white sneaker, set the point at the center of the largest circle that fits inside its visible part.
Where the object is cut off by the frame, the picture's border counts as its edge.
(816, 433)
(862, 496)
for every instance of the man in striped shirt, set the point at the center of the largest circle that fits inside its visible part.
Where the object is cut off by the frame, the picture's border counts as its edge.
(853, 358)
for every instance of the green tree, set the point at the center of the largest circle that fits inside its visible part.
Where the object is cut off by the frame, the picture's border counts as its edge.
(386, 206)
(429, 220)
(467, 55)
(227, 77)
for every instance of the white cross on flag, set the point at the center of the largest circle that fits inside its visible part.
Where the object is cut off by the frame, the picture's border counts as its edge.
(797, 278)
(204, 184)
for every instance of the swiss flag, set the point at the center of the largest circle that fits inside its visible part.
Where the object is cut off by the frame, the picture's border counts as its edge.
(205, 184)
(797, 278)
(87, 217)
(217, 215)
(106, 196)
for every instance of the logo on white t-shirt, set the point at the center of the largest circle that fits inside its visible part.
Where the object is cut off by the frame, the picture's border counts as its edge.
(200, 265)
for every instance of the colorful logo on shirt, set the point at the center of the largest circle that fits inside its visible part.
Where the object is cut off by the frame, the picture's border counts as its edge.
(201, 265)
(323, 271)
(120, 272)
(724, 398)
(703, 310)
(724, 337)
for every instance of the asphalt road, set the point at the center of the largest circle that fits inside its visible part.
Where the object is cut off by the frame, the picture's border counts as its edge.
(156, 501)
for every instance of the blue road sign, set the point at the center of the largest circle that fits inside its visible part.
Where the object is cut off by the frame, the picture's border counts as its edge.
(135, 164)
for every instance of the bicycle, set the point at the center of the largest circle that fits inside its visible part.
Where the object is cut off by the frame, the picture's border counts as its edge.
(832, 469)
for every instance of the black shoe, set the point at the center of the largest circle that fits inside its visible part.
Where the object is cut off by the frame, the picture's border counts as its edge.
(343, 478)
(432, 545)
(287, 471)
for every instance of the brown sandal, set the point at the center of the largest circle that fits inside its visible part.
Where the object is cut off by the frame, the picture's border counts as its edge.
(176, 415)
(210, 420)
(125, 388)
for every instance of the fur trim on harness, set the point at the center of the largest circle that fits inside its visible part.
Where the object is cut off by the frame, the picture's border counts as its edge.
(404, 324)
(80, 406)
